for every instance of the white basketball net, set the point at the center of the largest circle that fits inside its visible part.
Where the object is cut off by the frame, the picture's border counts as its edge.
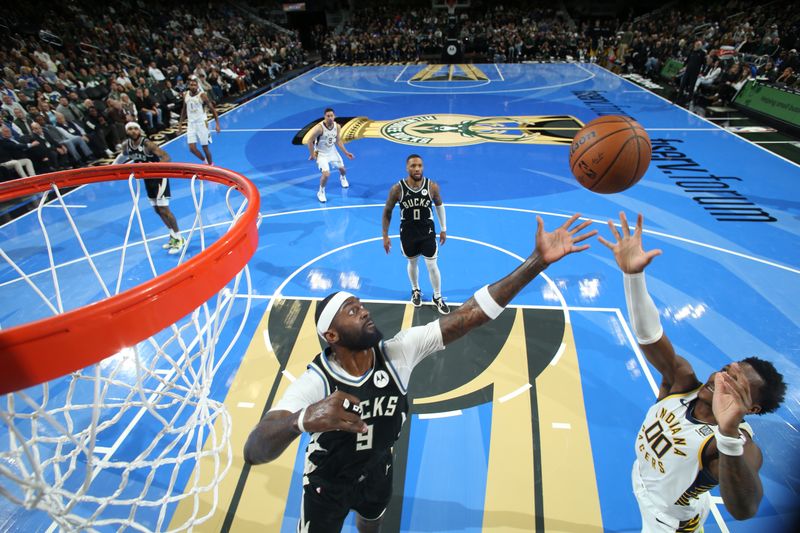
(125, 442)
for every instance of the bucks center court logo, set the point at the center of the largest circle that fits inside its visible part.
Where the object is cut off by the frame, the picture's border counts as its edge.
(456, 130)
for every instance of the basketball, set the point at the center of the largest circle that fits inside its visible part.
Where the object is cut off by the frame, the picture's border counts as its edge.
(610, 154)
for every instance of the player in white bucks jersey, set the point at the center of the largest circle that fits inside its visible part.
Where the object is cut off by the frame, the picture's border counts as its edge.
(137, 148)
(193, 111)
(418, 196)
(352, 398)
(694, 437)
(325, 137)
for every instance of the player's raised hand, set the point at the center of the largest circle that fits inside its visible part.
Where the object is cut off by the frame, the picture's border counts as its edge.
(562, 241)
(628, 252)
(732, 399)
(339, 411)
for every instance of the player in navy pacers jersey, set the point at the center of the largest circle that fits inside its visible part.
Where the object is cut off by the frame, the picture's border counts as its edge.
(418, 196)
(694, 437)
(352, 398)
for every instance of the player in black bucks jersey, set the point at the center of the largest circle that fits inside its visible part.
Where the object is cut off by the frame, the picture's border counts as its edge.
(352, 397)
(137, 148)
(418, 196)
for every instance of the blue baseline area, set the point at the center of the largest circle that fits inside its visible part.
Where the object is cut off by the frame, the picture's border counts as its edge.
(725, 289)
(445, 485)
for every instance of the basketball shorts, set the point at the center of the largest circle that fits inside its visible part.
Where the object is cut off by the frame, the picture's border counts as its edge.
(325, 162)
(157, 191)
(656, 521)
(413, 244)
(197, 132)
(324, 506)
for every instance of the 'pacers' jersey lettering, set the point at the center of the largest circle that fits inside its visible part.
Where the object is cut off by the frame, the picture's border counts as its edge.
(669, 451)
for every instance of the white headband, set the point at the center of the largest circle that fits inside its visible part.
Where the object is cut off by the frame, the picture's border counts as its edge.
(330, 310)
(132, 125)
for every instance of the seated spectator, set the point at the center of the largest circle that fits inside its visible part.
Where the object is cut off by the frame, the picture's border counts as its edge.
(69, 110)
(97, 125)
(129, 108)
(149, 111)
(21, 121)
(13, 154)
(56, 154)
(76, 139)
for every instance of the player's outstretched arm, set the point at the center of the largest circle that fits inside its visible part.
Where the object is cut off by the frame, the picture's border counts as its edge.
(394, 197)
(276, 431)
(490, 301)
(677, 374)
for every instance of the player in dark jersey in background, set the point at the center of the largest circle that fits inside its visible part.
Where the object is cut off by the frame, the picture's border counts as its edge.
(352, 398)
(694, 437)
(417, 196)
(137, 148)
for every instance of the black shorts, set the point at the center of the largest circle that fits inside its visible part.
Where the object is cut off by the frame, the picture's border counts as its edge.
(412, 245)
(325, 506)
(157, 191)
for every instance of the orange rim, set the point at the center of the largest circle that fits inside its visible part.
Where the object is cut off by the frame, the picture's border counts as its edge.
(43, 350)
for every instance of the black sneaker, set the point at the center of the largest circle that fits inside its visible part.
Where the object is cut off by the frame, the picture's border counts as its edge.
(441, 306)
(416, 297)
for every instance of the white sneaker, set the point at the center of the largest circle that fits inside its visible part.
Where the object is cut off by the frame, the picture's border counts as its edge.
(176, 246)
(321, 196)
(343, 181)
(169, 244)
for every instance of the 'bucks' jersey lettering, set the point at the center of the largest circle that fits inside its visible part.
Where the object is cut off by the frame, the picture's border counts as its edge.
(341, 456)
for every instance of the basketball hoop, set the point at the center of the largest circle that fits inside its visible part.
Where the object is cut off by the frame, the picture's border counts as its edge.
(451, 6)
(144, 355)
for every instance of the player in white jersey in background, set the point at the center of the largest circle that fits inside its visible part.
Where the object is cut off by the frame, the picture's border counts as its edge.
(195, 115)
(325, 137)
(694, 436)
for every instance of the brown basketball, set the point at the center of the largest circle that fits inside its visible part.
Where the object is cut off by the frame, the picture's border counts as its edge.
(610, 154)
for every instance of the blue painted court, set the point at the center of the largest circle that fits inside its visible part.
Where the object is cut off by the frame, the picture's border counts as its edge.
(723, 210)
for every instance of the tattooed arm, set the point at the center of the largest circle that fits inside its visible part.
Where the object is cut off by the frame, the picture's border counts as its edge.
(550, 247)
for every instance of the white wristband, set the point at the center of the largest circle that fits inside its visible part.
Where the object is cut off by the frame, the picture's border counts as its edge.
(487, 303)
(733, 446)
(300, 420)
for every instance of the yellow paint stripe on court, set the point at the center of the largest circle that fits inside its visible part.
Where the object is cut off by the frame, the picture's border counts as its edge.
(509, 504)
(571, 502)
(250, 386)
(264, 498)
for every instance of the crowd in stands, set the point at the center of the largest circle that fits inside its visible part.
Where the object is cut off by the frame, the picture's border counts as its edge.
(743, 39)
(69, 86)
(68, 91)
